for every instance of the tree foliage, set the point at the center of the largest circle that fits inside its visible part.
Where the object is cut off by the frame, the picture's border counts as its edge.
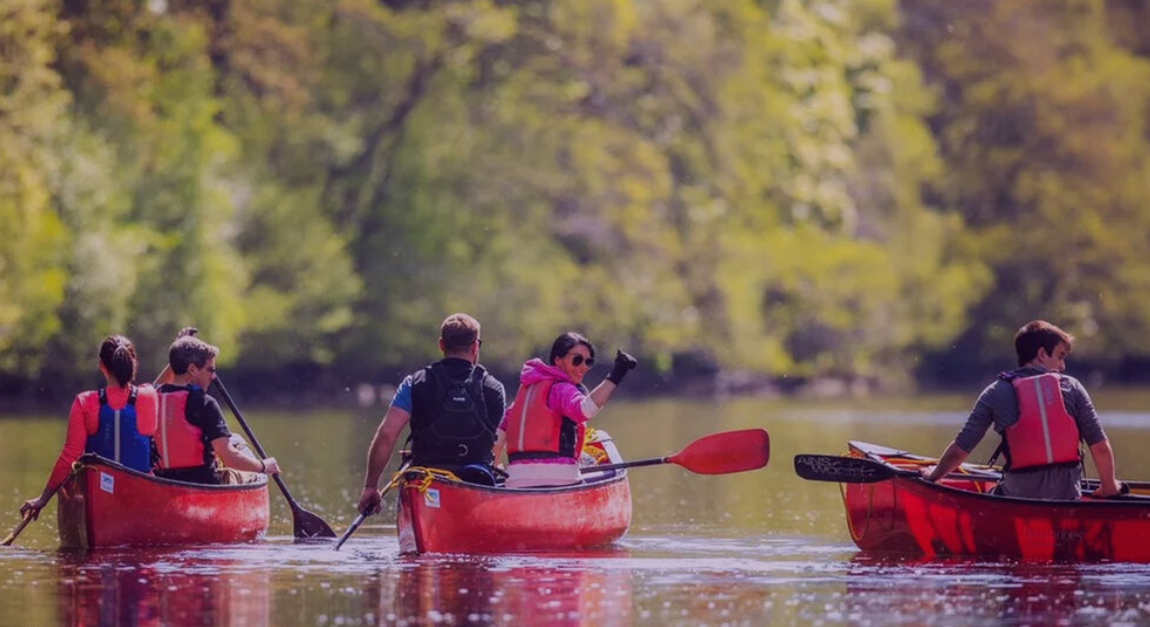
(790, 188)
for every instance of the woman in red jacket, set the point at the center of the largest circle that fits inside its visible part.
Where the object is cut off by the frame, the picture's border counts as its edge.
(116, 421)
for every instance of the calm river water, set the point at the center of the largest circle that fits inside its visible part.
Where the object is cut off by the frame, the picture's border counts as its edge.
(750, 549)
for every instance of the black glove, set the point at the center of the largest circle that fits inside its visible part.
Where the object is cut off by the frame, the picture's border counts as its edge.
(623, 363)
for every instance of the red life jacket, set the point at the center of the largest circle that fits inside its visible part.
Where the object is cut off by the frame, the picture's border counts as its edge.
(533, 429)
(1045, 433)
(181, 444)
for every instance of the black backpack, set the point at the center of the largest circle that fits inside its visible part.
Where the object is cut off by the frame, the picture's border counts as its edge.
(456, 428)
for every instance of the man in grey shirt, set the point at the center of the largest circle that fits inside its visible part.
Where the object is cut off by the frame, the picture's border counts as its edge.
(1041, 348)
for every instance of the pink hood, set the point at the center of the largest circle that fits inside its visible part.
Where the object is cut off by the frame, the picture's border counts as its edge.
(564, 396)
(535, 371)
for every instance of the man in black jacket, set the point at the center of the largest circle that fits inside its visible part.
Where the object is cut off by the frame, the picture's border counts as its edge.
(453, 407)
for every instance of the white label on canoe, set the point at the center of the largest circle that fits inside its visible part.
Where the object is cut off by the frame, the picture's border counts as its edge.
(107, 483)
(431, 497)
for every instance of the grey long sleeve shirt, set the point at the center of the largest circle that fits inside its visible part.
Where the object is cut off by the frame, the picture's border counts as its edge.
(998, 406)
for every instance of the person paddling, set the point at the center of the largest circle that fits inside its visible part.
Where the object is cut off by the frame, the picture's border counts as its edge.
(543, 428)
(1041, 415)
(453, 407)
(116, 421)
(191, 433)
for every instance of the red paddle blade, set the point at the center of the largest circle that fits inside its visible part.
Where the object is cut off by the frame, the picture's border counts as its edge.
(729, 451)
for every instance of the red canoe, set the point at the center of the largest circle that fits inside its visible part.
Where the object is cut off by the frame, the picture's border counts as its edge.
(106, 504)
(439, 514)
(958, 517)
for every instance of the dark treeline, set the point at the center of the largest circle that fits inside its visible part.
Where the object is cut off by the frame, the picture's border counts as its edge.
(858, 190)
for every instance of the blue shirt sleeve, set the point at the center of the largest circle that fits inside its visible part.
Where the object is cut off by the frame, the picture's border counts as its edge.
(402, 398)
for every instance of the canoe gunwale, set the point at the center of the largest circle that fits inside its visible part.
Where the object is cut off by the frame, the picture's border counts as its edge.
(91, 461)
(541, 490)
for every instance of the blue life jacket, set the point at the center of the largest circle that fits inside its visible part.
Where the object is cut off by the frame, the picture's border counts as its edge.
(117, 438)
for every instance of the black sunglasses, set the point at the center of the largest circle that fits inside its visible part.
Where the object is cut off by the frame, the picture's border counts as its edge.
(578, 360)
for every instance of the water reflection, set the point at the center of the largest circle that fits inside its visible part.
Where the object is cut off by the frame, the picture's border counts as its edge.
(146, 589)
(480, 592)
(960, 590)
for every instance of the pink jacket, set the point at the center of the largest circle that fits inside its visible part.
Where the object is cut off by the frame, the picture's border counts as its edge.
(564, 398)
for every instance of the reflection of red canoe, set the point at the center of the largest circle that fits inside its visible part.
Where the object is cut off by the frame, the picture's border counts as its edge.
(443, 516)
(958, 517)
(106, 504)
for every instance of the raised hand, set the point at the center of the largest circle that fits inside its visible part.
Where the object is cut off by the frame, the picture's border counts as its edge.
(623, 364)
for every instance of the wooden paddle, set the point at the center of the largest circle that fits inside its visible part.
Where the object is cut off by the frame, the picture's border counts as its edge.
(714, 454)
(10, 538)
(305, 524)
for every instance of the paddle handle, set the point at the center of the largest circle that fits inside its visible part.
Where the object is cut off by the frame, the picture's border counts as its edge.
(649, 461)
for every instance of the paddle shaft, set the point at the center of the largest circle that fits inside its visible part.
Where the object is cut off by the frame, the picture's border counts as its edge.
(252, 438)
(650, 461)
(362, 516)
(19, 527)
(28, 515)
(350, 530)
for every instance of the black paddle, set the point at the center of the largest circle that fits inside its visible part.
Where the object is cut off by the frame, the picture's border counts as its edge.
(362, 516)
(841, 469)
(306, 525)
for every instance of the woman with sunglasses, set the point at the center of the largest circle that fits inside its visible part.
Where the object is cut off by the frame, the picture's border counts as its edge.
(543, 428)
(116, 421)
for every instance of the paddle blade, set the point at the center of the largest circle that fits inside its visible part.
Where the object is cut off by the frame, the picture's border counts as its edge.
(839, 469)
(729, 451)
(308, 525)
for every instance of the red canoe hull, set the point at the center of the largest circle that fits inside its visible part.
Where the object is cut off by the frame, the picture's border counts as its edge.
(105, 504)
(911, 516)
(453, 517)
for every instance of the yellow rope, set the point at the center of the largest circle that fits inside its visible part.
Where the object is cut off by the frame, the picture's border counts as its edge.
(590, 438)
(423, 482)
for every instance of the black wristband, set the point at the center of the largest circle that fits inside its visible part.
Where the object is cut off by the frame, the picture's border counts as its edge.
(263, 467)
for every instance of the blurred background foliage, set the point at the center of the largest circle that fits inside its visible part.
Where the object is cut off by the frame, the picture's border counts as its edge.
(856, 190)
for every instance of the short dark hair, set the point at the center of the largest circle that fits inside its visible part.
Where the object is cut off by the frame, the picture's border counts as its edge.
(458, 332)
(190, 350)
(1038, 334)
(564, 343)
(119, 356)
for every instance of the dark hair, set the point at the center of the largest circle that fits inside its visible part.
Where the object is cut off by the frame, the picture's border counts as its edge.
(190, 350)
(119, 357)
(458, 332)
(1038, 334)
(564, 343)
